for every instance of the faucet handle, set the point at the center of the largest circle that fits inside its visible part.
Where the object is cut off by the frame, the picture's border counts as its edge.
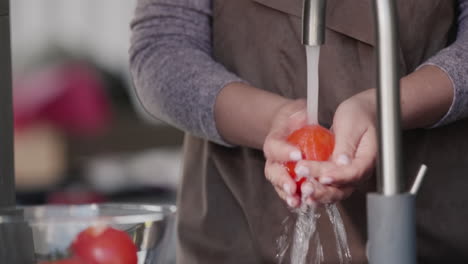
(418, 180)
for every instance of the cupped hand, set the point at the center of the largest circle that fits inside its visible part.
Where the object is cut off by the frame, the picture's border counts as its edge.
(278, 151)
(354, 156)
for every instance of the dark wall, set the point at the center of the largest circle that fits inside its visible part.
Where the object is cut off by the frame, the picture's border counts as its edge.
(3, 7)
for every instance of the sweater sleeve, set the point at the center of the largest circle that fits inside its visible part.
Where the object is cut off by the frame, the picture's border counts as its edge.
(175, 77)
(453, 60)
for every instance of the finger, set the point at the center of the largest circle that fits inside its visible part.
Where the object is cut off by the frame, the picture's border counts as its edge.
(329, 194)
(333, 195)
(277, 149)
(347, 138)
(276, 173)
(319, 192)
(308, 189)
(328, 173)
(347, 175)
(283, 184)
(291, 119)
(292, 201)
(312, 189)
(313, 192)
(296, 121)
(313, 169)
(359, 168)
(289, 111)
(367, 149)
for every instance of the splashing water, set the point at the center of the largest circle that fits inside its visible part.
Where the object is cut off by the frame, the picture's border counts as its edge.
(305, 229)
(306, 236)
(342, 247)
(306, 225)
(282, 243)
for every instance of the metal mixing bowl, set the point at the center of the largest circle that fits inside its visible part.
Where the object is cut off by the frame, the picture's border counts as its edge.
(30, 235)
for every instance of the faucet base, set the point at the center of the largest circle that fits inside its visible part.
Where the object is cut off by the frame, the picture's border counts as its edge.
(391, 229)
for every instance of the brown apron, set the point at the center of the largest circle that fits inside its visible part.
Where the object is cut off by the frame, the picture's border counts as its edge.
(229, 212)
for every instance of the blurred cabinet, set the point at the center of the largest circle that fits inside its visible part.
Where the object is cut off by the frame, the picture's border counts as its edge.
(95, 28)
(96, 31)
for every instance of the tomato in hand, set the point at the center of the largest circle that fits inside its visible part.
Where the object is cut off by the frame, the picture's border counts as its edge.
(104, 245)
(315, 143)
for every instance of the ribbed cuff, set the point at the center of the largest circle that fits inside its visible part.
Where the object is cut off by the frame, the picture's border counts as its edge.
(454, 62)
(221, 80)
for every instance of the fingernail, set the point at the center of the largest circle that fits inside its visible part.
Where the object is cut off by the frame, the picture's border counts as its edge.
(326, 180)
(310, 202)
(343, 159)
(302, 171)
(287, 188)
(307, 189)
(291, 202)
(295, 155)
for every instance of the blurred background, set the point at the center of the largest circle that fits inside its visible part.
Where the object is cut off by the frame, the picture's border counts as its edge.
(79, 134)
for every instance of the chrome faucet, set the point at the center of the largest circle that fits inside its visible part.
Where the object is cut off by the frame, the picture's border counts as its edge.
(390, 211)
(313, 24)
(313, 34)
(388, 99)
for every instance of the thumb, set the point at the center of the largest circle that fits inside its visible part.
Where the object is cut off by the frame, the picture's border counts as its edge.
(346, 141)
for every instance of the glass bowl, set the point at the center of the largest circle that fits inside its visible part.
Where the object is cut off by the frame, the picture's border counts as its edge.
(31, 235)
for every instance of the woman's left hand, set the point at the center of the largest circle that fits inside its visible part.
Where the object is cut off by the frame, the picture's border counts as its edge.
(354, 156)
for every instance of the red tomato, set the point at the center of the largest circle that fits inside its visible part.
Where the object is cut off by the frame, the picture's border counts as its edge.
(65, 261)
(106, 245)
(315, 143)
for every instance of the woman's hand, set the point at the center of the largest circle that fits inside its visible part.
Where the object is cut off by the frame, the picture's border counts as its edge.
(278, 151)
(354, 156)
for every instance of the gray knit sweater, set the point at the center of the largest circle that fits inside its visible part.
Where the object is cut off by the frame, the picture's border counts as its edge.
(177, 80)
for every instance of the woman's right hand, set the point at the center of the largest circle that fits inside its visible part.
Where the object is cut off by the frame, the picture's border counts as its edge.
(278, 151)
